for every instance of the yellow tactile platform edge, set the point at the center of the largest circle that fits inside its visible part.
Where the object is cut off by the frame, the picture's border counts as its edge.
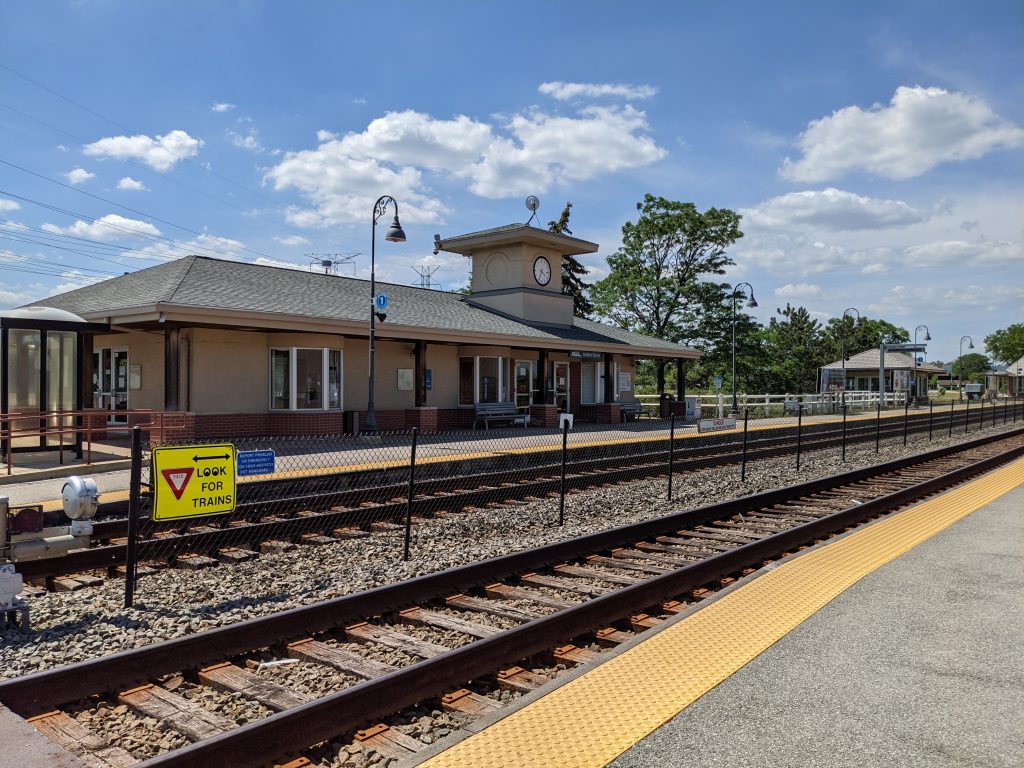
(593, 719)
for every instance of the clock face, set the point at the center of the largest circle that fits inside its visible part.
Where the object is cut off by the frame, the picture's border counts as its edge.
(542, 270)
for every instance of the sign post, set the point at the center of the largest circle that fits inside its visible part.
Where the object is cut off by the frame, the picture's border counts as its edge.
(193, 481)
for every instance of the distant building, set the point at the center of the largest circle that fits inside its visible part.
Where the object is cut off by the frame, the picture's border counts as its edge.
(860, 373)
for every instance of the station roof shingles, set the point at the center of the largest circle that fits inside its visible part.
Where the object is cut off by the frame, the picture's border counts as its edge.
(199, 282)
(869, 360)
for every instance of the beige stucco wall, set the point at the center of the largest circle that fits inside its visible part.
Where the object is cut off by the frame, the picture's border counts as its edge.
(229, 371)
(443, 362)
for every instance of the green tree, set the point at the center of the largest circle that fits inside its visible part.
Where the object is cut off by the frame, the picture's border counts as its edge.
(654, 286)
(971, 367)
(1006, 345)
(793, 351)
(843, 334)
(572, 270)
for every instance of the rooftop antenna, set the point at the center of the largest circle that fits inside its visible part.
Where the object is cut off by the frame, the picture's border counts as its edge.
(532, 204)
(426, 271)
(329, 262)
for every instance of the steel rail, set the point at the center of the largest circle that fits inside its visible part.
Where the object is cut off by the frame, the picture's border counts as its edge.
(44, 690)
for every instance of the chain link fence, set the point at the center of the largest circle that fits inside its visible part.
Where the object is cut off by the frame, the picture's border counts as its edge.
(318, 491)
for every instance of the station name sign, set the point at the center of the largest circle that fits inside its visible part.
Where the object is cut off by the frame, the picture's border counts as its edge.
(586, 355)
(193, 481)
(716, 425)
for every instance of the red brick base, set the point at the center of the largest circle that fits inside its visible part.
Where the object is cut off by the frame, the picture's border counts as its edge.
(608, 413)
(544, 415)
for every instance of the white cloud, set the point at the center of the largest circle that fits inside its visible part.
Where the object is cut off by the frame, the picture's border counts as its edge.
(109, 227)
(343, 175)
(202, 245)
(250, 141)
(798, 291)
(79, 176)
(832, 209)
(221, 106)
(963, 253)
(8, 205)
(875, 268)
(564, 91)
(292, 240)
(921, 128)
(904, 300)
(160, 153)
(131, 185)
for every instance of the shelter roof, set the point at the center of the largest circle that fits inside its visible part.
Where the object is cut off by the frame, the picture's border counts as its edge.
(217, 287)
(869, 360)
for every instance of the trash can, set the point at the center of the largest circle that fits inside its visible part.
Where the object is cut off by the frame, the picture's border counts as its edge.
(350, 422)
(666, 405)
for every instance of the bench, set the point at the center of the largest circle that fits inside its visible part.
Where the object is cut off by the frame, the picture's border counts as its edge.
(631, 409)
(499, 412)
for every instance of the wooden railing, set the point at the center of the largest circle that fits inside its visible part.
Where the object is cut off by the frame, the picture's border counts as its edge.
(71, 429)
(772, 404)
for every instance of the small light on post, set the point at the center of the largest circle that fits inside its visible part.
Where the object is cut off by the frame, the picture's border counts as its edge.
(395, 234)
(751, 302)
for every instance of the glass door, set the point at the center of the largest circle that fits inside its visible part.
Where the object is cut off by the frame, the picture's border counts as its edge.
(110, 383)
(524, 383)
(561, 388)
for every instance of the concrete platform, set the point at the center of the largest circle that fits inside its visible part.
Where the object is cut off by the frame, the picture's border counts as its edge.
(918, 664)
(23, 746)
(895, 645)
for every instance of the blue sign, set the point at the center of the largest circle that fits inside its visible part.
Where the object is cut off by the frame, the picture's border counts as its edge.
(718, 382)
(255, 463)
(428, 379)
(381, 302)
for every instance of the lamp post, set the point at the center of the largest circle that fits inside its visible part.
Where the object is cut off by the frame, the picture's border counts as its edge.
(394, 235)
(751, 302)
(927, 337)
(842, 342)
(960, 358)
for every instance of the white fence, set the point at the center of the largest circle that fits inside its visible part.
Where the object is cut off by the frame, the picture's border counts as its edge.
(773, 405)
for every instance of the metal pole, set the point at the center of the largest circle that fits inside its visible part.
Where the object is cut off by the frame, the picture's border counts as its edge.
(981, 420)
(844, 433)
(906, 417)
(931, 415)
(967, 414)
(734, 405)
(671, 453)
(799, 431)
(371, 415)
(134, 502)
(743, 464)
(952, 406)
(561, 490)
(412, 484)
(878, 425)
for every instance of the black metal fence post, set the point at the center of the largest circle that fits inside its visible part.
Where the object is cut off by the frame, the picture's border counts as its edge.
(561, 488)
(134, 502)
(906, 418)
(878, 425)
(1006, 406)
(931, 416)
(743, 462)
(844, 432)
(967, 414)
(952, 407)
(671, 453)
(799, 431)
(412, 492)
(981, 421)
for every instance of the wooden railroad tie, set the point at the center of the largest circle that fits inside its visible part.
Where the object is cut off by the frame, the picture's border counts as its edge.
(468, 703)
(388, 742)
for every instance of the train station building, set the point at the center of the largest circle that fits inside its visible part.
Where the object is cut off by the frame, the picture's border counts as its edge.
(860, 373)
(245, 349)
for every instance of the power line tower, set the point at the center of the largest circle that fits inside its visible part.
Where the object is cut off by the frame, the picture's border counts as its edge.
(329, 262)
(426, 271)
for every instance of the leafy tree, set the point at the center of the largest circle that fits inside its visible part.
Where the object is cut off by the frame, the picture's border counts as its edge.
(1006, 345)
(971, 367)
(654, 285)
(842, 334)
(572, 270)
(793, 350)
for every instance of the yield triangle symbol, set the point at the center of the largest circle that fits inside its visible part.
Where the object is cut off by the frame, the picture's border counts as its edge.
(177, 479)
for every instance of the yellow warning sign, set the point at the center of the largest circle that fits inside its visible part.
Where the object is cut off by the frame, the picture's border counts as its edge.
(193, 481)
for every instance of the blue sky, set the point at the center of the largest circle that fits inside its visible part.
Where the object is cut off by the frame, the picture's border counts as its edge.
(875, 150)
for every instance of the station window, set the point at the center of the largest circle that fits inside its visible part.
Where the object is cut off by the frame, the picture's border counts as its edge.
(304, 379)
(483, 380)
(593, 383)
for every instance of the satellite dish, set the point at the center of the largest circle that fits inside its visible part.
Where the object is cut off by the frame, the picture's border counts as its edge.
(532, 204)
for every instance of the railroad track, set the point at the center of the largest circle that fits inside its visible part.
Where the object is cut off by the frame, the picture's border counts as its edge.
(471, 636)
(319, 506)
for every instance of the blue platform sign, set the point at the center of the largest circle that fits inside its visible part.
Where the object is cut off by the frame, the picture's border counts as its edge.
(255, 463)
(381, 301)
(428, 379)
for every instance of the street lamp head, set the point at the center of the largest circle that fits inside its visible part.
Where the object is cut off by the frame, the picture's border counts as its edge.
(395, 233)
(927, 336)
(970, 345)
(752, 302)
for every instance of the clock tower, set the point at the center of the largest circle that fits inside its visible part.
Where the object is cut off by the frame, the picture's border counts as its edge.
(517, 271)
